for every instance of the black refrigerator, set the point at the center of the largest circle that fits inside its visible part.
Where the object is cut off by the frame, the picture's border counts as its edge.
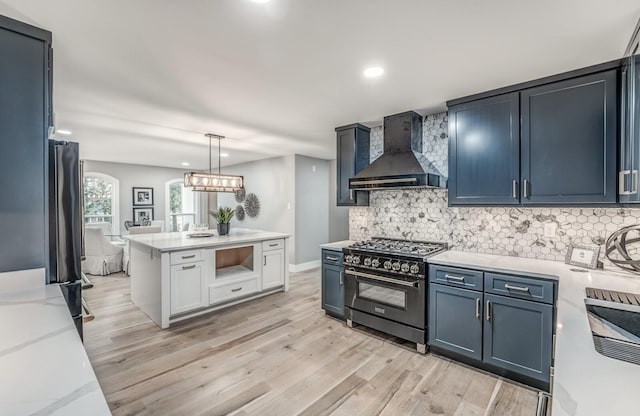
(65, 224)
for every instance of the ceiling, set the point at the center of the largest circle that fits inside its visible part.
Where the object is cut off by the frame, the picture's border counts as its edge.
(142, 81)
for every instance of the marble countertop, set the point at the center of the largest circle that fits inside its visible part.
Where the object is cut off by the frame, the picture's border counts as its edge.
(337, 245)
(181, 241)
(45, 369)
(586, 383)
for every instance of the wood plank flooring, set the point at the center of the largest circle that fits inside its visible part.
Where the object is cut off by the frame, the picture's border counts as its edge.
(279, 355)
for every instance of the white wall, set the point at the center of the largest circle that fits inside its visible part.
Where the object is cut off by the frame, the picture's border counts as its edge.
(338, 216)
(312, 207)
(137, 176)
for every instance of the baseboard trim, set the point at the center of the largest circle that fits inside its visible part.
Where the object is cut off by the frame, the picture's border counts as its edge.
(295, 268)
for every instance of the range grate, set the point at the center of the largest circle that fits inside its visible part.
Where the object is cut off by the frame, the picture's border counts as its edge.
(613, 296)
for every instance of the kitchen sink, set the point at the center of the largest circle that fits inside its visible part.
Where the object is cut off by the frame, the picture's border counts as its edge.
(614, 318)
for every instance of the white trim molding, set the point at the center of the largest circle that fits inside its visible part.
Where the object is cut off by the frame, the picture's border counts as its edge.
(295, 268)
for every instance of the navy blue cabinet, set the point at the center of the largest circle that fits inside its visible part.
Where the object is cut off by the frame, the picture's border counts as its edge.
(484, 151)
(25, 118)
(353, 146)
(333, 283)
(569, 141)
(518, 336)
(455, 320)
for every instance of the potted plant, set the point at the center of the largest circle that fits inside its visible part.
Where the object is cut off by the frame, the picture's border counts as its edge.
(223, 217)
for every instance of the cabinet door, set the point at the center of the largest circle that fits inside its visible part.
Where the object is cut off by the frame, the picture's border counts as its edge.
(188, 288)
(518, 336)
(455, 320)
(352, 157)
(630, 131)
(272, 269)
(569, 136)
(333, 290)
(484, 151)
(23, 162)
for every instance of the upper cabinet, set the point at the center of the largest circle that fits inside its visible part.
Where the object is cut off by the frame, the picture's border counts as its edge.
(548, 142)
(630, 131)
(484, 151)
(568, 136)
(352, 157)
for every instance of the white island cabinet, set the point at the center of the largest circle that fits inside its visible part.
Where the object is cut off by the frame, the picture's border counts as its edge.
(175, 277)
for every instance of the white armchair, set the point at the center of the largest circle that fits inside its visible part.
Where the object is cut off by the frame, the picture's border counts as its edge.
(101, 257)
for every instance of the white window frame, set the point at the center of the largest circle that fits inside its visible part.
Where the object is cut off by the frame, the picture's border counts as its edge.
(115, 197)
(167, 205)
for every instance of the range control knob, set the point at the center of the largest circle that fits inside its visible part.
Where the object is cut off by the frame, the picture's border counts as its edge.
(367, 261)
(396, 266)
(349, 258)
(414, 268)
(356, 260)
(375, 262)
(387, 264)
(404, 267)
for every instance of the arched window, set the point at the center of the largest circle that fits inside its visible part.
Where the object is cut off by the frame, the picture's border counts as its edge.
(181, 205)
(101, 200)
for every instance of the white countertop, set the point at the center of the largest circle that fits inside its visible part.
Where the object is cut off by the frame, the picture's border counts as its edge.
(586, 382)
(337, 245)
(44, 367)
(181, 241)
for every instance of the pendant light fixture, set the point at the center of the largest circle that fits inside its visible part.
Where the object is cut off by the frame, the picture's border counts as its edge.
(213, 182)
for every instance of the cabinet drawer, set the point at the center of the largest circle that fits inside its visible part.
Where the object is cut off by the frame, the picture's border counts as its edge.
(186, 257)
(231, 291)
(332, 257)
(272, 244)
(519, 287)
(453, 276)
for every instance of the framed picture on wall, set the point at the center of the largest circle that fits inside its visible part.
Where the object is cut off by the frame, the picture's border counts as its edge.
(142, 196)
(143, 214)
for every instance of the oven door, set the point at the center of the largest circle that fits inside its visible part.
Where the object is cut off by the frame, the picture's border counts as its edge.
(386, 296)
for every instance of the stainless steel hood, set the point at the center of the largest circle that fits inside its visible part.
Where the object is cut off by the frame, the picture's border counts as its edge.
(402, 165)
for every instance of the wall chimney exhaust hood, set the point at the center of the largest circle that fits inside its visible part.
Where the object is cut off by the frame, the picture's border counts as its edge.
(402, 164)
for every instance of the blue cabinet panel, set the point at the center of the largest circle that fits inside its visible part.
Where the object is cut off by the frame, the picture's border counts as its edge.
(333, 289)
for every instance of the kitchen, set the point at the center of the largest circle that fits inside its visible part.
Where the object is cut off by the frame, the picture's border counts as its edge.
(470, 255)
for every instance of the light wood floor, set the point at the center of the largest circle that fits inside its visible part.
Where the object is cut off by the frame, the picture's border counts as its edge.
(278, 355)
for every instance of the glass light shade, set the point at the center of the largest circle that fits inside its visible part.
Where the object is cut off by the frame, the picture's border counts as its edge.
(213, 182)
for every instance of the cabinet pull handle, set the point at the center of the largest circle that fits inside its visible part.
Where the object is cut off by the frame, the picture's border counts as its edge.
(193, 266)
(341, 278)
(622, 189)
(265, 260)
(236, 289)
(273, 245)
(514, 190)
(452, 277)
(351, 194)
(518, 288)
(188, 257)
(634, 182)
(488, 316)
(331, 258)
(478, 308)
(525, 188)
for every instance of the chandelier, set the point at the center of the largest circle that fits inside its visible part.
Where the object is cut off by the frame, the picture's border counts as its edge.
(213, 182)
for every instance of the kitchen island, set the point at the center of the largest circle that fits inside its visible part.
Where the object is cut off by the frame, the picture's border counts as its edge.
(175, 276)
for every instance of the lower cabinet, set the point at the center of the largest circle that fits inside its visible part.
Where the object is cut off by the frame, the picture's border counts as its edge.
(455, 320)
(272, 269)
(518, 336)
(188, 287)
(333, 289)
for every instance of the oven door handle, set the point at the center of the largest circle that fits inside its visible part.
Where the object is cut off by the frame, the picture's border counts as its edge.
(381, 278)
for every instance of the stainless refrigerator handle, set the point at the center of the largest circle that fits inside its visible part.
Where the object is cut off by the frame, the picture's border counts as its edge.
(478, 308)
(525, 188)
(514, 190)
(381, 278)
(488, 316)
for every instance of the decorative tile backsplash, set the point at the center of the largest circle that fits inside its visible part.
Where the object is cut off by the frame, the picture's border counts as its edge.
(423, 214)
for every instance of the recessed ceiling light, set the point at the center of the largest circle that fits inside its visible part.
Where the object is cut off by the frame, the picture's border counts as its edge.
(185, 163)
(224, 154)
(373, 72)
(65, 132)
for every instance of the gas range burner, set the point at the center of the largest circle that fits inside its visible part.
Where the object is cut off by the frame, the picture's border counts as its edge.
(400, 247)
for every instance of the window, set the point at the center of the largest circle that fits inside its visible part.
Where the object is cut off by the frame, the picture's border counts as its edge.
(101, 200)
(181, 205)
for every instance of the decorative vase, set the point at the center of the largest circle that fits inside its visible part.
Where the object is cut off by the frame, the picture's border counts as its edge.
(223, 229)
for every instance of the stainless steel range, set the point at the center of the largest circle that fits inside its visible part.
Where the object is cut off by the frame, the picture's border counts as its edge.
(386, 286)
